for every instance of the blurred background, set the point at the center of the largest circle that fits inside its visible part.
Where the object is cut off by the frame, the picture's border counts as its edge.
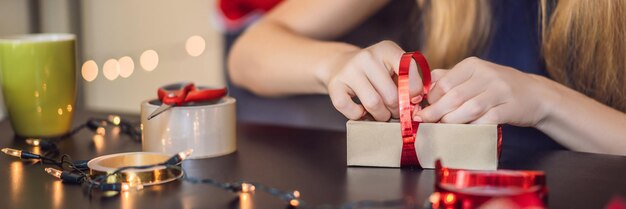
(127, 48)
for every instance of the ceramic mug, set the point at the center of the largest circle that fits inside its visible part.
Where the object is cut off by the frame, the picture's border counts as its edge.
(39, 83)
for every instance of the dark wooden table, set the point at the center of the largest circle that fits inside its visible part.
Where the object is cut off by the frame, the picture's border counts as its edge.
(311, 161)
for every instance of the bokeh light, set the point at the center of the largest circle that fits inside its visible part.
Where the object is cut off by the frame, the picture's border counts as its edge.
(89, 70)
(111, 69)
(149, 60)
(127, 66)
(195, 46)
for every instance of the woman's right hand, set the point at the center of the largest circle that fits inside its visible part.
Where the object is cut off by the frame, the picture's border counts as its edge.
(370, 75)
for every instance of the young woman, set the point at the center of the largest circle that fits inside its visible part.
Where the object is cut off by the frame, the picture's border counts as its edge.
(290, 51)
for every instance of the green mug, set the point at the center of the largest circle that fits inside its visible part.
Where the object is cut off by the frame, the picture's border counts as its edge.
(39, 83)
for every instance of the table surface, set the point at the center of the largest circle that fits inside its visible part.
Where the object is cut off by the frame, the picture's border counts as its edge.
(311, 161)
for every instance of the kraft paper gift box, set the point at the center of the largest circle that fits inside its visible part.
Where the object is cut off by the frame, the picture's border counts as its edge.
(462, 146)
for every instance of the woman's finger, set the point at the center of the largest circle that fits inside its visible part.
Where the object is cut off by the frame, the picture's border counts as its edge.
(341, 97)
(380, 78)
(454, 77)
(472, 109)
(450, 101)
(370, 99)
(492, 116)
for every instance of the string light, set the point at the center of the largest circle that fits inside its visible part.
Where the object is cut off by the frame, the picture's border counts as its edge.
(76, 175)
(294, 203)
(34, 142)
(247, 188)
(176, 159)
(54, 172)
(101, 131)
(12, 152)
(114, 119)
(134, 183)
(20, 154)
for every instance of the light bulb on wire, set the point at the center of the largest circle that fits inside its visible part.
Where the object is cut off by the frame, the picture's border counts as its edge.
(54, 172)
(19, 153)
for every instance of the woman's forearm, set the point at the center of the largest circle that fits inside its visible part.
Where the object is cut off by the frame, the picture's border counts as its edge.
(271, 60)
(581, 123)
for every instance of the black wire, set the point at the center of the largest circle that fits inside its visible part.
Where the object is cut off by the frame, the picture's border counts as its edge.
(134, 132)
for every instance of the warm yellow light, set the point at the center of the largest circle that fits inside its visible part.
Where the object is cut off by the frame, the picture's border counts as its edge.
(69, 108)
(435, 197)
(60, 111)
(245, 187)
(12, 152)
(296, 194)
(101, 131)
(115, 119)
(149, 60)
(54, 172)
(195, 46)
(125, 187)
(294, 203)
(89, 70)
(449, 199)
(33, 141)
(133, 183)
(127, 66)
(244, 201)
(98, 142)
(184, 154)
(111, 69)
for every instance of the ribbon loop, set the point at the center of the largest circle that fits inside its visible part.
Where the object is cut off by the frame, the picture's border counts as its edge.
(408, 126)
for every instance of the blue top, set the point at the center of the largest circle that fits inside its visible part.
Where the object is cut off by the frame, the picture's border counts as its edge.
(516, 43)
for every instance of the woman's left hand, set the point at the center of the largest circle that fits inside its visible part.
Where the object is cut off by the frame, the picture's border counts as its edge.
(477, 91)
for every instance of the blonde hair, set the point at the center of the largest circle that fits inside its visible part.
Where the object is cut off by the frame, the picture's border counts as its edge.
(583, 41)
(454, 30)
(584, 46)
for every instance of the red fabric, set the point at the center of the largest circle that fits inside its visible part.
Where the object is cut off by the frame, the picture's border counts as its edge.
(237, 9)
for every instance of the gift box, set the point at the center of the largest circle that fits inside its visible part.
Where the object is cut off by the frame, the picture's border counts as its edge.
(461, 146)
(406, 143)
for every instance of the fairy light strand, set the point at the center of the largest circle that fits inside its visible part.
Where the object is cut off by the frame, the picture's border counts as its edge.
(73, 172)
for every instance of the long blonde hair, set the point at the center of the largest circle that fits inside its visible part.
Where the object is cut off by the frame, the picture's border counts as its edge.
(454, 30)
(583, 41)
(584, 45)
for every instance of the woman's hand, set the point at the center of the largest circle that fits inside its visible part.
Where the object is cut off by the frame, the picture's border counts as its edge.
(370, 75)
(477, 91)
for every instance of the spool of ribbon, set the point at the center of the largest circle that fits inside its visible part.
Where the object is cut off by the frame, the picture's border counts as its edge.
(467, 189)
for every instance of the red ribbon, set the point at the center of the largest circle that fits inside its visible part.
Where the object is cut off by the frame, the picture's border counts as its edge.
(408, 126)
(466, 189)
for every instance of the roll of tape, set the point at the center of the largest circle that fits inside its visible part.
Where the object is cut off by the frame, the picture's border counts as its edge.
(107, 164)
(208, 129)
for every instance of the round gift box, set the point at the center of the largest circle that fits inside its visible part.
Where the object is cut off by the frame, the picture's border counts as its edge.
(207, 128)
